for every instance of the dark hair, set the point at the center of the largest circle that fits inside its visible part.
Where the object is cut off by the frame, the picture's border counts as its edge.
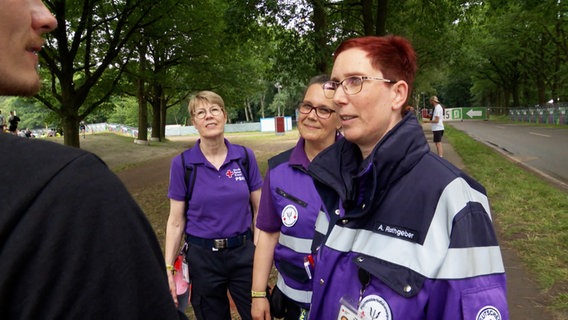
(319, 79)
(392, 55)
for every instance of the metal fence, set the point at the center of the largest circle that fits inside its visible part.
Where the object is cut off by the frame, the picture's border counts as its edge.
(171, 130)
(548, 114)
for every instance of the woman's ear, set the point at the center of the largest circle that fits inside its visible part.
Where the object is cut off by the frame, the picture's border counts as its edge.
(400, 90)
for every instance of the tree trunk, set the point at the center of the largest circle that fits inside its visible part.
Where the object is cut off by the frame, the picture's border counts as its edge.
(249, 107)
(142, 112)
(262, 106)
(141, 97)
(381, 27)
(367, 14)
(541, 89)
(248, 113)
(157, 114)
(71, 132)
(156, 123)
(321, 37)
(163, 113)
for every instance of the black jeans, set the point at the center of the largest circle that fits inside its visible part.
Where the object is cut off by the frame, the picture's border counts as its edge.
(215, 272)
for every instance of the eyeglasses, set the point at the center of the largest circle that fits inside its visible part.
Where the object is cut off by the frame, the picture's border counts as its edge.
(202, 113)
(321, 112)
(351, 85)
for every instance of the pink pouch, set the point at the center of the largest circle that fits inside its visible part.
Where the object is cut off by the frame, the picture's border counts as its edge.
(181, 283)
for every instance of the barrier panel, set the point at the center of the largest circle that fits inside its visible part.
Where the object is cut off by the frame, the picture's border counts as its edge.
(552, 114)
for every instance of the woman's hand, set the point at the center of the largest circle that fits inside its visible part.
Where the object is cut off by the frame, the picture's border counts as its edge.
(260, 309)
(172, 285)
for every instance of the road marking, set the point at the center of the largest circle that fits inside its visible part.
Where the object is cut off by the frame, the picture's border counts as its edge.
(540, 134)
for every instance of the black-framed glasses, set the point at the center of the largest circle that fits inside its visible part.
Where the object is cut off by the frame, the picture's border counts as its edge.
(351, 85)
(201, 113)
(321, 112)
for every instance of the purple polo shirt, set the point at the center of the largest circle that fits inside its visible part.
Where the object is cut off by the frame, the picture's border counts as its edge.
(219, 206)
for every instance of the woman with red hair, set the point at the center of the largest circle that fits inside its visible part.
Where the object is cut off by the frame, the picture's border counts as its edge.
(409, 236)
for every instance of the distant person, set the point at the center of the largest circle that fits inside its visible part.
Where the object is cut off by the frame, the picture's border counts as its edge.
(437, 122)
(28, 133)
(74, 244)
(288, 210)
(82, 128)
(13, 120)
(405, 234)
(2, 122)
(214, 193)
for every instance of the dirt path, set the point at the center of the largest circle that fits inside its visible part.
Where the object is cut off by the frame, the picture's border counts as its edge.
(525, 299)
(140, 177)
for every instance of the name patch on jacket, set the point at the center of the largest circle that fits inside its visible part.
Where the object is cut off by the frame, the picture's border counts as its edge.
(398, 232)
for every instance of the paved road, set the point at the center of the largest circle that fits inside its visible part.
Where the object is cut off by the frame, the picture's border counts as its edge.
(540, 149)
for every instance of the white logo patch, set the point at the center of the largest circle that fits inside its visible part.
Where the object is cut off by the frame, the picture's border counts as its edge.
(374, 307)
(289, 215)
(488, 313)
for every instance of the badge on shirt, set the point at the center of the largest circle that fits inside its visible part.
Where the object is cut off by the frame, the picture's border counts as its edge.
(488, 313)
(289, 215)
(374, 307)
(236, 173)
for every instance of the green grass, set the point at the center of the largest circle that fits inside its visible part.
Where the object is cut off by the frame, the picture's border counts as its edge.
(531, 215)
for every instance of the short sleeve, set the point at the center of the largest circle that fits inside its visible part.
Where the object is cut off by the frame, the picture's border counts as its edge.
(177, 188)
(254, 177)
(267, 219)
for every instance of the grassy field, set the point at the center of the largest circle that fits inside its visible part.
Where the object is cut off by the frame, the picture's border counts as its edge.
(531, 215)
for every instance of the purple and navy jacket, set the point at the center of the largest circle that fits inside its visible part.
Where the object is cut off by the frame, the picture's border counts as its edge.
(290, 205)
(409, 236)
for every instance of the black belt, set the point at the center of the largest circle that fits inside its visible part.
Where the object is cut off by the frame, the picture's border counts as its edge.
(217, 244)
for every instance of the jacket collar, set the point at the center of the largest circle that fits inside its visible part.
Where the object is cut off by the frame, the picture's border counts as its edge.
(342, 168)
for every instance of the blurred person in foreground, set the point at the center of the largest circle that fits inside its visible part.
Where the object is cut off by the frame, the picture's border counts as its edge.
(74, 245)
(410, 235)
(288, 210)
(211, 208)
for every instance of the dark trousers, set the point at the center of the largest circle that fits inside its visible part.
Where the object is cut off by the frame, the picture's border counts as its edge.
(285, 308)
(295, 312)
(215, 272)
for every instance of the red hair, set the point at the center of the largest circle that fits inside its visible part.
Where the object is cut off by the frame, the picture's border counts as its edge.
(392, 55)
